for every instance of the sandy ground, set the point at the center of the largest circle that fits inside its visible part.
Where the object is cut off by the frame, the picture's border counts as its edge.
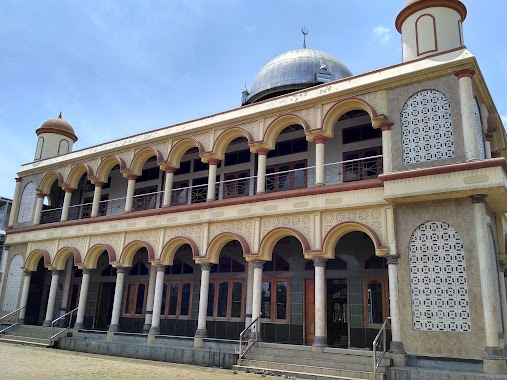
(26, 362)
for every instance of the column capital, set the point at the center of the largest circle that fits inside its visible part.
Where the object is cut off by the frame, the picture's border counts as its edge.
(478, 198)
(464, 73)
(262, 151)
(213, 161)
(258, 263)
(387, 126)
(169, 169)
(319, 262)
(161, 268)
(27, 273)
(120, 269)
(392, 259)
(68, 189)
(40, 195)
(131, 177)
(18, 179)
(320, 139)
(206, 266)
(87, 271)
(97, 183)
(55, 272)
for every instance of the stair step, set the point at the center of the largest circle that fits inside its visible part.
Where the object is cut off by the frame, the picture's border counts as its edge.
(303, 357)
(23, 340)
(331, 364)
(306, 375)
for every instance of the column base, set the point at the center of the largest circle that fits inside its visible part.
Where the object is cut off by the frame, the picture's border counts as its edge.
(494, 361)
(21, 321)
(154, 330)
(78, 325)
(113, 328)
(146, 328)
(151, 339)
(47, 323)
(319, 184)
(319, 342)
(397, 354)
(198, 342)
(201, 333)
(109, 336)
(396, 348)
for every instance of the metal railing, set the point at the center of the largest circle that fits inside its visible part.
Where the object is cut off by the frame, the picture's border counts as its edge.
(61, 323)
(189, 195)
(11, 320)
(147, 201)
(51, 216)
(253, 330)
(290, 179)
(237, 187)
(379, 347)
(353, 170)
(81, 211)
(114, 206)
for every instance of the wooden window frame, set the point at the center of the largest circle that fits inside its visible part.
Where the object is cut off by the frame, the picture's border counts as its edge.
(273, 318)
(231, 281)
(131, 313)
(226, 193)
(164, 314)
(384, 281)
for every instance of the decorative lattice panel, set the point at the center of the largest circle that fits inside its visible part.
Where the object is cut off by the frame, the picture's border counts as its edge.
(478, 130)
(438, 278)
(27, 203)
(427, 127)
(13, 284)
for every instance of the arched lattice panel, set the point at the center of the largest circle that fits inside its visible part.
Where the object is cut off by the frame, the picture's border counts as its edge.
(13, 284)
(478, 130)
(427, 127)
(27, 203)
(438, 279)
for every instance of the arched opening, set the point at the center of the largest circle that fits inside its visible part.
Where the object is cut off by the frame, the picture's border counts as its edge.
(149, 184)
(227, 293)
(356, 152)
(190, 183)
(112, 197)
(81, 199)
(102, 283)
(38, 295)
(52, 207)
(286, 165)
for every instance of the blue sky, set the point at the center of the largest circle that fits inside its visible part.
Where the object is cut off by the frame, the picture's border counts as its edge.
(117, 68)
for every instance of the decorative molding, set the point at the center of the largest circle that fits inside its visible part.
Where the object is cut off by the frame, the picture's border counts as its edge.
(301, 223)
(243, 228)
(372, 218)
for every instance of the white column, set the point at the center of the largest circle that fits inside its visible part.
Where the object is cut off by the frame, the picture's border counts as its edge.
(55, 274)
(466, 97)
(503, 301)
(168, 185)
(212, 179)
(203, 301)
(15, 204)
(131, 187)
(66, 286)
(149, 299)
(320, 339)
(38, 208)
(261, 170)
(257, 292)
(486, 276)
(97, 193)
(3, 261)
(396, 344)
(319, 160)
(83, 295)
(24, 295)
(387, 163)
(157, 304)
(66, 204)
(249, 295)
(118, 292)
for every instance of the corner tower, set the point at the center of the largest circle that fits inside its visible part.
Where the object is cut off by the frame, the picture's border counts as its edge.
(430, 26)
(56, 137)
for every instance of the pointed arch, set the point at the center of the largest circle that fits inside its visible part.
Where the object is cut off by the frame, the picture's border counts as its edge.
(76, 173)
(93, 254)
(279, 124)
(341, 229)
(172, 246)
(225, 138)
(106, 165)
(339, 109)
(62, 256)
(33, 258)
(180, 148)
(218, 243)
(128, 253)
(142, 156)
(272, 237)
(48, 180)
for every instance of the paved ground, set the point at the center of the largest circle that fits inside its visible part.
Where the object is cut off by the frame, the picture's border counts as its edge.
(25, 362)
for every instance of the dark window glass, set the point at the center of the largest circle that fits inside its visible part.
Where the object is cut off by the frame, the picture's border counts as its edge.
(375, 262)
(375, 314)
(185, 299)
(266, 300)
(300, 145)
(237, 293)
(108, 271)
(336, 263)
(183, 169)
(211, 299)
(309, 265)
(176, 267)
(164, 295)
(224, 266)
(277, 263)
(149, 174)
(140, 298)
(128, 304)
(243, 156)
(173, 299)
(187, 268)
(281, 300)
(199, 165)
(223, 295)
(78, 273)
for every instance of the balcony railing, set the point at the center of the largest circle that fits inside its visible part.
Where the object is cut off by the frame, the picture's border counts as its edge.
(334, 173)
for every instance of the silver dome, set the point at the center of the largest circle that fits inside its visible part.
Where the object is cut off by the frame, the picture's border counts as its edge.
(295, 70)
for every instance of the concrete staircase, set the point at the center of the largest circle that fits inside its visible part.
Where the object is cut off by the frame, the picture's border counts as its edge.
(29, 335)
(302, 362)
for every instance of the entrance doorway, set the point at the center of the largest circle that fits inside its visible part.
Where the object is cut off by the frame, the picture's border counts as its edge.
(104, 308)
(37, 296)
(337, 313)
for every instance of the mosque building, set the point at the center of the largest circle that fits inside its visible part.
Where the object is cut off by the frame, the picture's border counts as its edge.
(329, 214)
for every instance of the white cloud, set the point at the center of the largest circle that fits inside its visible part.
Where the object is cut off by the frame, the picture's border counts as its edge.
(382, 33)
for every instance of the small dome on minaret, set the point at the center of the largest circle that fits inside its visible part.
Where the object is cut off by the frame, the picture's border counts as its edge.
(56, 137)
(430, 26)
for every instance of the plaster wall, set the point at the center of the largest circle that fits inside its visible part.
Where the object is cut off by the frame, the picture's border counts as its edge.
(51, 145)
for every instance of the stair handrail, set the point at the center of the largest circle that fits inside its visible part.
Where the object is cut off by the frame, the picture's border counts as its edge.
(52, 335)
(379, 347)
(256, 329)
(8, 315)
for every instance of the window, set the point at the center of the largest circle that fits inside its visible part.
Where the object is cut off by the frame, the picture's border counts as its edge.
(135, 298)
(376, 300)
(149, 174)
(108, 271)
(227, 265)
(138, 269)
(225, 299)
(275, 300)
(360, 133)
(176, 299)
(360, 167)
(235, 158)
(277, 264)
(283, 148)
(286, 176)
(179, 267)
(199, 165)
(237, 184)
(375, 262)
(179, 195)
(145, 198)
(199, 190)
(184, 168)
(335, 264)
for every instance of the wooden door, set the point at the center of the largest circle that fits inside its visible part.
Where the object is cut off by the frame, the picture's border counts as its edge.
(309, 310)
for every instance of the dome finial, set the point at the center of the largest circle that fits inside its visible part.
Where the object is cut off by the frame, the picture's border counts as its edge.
(60, 116)
(305, 33)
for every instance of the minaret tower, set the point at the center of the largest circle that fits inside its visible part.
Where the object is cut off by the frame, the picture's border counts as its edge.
(430, 26)
(56, 137)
